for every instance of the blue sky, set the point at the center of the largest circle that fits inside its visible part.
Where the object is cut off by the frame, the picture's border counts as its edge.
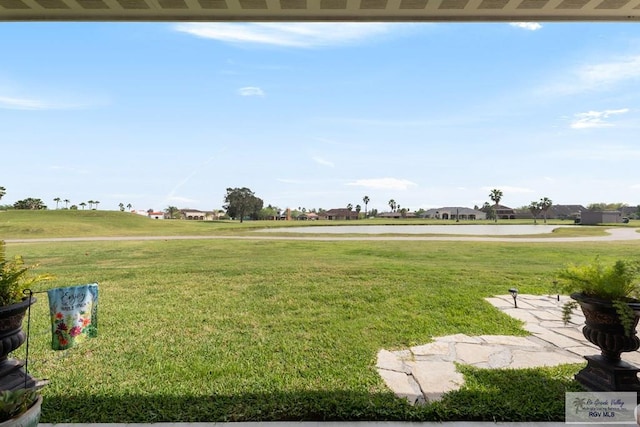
(319, 115)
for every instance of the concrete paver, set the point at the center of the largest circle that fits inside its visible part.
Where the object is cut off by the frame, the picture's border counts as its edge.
(431, 367)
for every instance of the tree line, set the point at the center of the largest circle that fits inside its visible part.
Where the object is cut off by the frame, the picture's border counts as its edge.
(242, 203)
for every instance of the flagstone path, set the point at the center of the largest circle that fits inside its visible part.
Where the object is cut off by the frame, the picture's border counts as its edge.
(423, 373)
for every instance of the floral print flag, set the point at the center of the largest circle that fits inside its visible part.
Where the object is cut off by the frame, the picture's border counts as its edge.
(74, 315)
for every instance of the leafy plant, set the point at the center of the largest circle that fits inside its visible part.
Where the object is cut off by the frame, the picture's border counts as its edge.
(617, 283)
(610, 282)
(16, 402)
(15, 277)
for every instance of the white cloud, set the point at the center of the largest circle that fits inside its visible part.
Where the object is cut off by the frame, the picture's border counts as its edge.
(531, 26)
(179, 199)
(595, 119)
(324, 162)
(52, 102)
(598, 76)
(384, 183)
(22, 104)
(611, 72)
(250, 91)
(311, 34)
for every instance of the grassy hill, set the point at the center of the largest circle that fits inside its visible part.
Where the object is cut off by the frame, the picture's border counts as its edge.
(21, 224)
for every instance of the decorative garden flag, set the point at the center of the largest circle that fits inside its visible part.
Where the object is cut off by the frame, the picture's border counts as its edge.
(74, 315)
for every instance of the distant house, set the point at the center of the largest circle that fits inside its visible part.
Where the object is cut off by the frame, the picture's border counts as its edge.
(455, 212)
(600, 217)
(504, 212)
(387, 215)
(397, 215)
(565, 211)
(197, 215)
(307, 216)
(570, 212)
(155, 215)
(338, 214)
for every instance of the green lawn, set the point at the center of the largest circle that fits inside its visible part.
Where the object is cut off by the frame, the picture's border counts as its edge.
(228, 330)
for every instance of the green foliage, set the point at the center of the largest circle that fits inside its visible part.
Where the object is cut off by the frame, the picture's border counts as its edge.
(617, 283)
(567, 310)
(626, 315)
(15, 278)
(606, 206)
(241, 202)
(496, 195)
(171, 212)
(609, 282)
(16, 402)
(30, 203)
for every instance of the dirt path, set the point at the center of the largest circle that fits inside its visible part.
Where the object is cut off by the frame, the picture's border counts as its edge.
(615, 234)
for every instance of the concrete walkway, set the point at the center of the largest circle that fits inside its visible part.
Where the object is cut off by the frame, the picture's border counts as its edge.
(425, 372)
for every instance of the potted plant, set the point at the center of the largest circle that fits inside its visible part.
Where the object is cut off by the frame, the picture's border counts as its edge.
(15, 278)
(607, 295)
(20, 408)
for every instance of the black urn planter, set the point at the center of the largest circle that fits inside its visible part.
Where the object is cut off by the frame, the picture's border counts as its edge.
(12, 336)
(607, 372)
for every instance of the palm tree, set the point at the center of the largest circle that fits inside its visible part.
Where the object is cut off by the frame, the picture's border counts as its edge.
(350, 206)
(121, 206)
(95, 202)
(545, 204)
(535, 209)
(57, 200)
(171, 212)
(129, 206)
(496, 196)
(66, 203)
(83, 204)
(365, 200)
(358, 209)
(3, 191)
(392, 205)
(90, 202)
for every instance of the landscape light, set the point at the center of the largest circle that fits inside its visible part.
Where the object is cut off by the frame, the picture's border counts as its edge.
(514, 294)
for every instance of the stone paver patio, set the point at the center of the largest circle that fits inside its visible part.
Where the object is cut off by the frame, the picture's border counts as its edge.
(425, 372)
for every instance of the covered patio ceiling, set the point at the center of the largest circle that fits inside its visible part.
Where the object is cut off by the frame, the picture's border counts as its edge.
(320, 10)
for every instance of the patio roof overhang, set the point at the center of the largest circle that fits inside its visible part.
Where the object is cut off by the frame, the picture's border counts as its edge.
(320, 10)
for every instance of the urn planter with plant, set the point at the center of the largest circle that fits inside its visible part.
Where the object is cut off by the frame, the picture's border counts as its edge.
(608, 296)
(20, 408)
(15, 277)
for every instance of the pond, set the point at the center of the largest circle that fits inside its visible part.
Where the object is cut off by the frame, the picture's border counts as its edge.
(473, 230)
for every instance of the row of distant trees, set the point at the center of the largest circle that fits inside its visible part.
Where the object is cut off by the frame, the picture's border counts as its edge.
(90, 203)
(33, 203)
(242, 203)
(535, 207)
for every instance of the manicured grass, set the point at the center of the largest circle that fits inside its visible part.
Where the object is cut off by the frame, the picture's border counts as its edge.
(219, 330)
(20, 224)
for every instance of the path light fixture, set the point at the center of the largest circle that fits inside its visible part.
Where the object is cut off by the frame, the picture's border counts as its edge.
(514, 294)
